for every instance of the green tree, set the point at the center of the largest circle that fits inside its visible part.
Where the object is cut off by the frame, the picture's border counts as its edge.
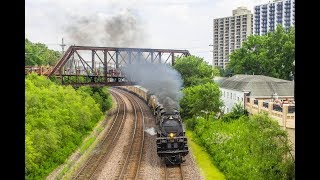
(194, 70)
(216, 72)
(201, 99)
(253, 147)
(272, 55)
(57, 119)
(236, 112)
(39, 54)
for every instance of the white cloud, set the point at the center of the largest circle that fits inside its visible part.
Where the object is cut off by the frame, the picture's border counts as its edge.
(175, 24)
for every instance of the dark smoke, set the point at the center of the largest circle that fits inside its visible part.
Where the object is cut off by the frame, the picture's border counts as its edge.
(122, 30)
(160, 79)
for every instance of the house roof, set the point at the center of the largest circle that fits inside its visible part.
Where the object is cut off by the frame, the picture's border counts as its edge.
(259, 85)
(219, 80)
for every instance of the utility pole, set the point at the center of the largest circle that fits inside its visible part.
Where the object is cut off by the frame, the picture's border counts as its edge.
(62, 46)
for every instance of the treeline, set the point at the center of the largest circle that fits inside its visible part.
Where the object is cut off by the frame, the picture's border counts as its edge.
(39, 54)
(242, 147)
(58, 118)
(271, 55)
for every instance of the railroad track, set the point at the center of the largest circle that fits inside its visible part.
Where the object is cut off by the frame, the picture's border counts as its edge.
(100, 156)
(131, 165)
(173, 172)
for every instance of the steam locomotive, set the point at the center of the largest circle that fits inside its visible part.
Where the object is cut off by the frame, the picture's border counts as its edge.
(171, 141)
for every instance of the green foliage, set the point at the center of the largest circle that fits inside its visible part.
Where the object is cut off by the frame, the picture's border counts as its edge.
(210, 171)
(271, 55)
(194, 70)
(225, 72)
(200, 99)
(252, 147)
(55, 80)
(216, 72)
(236, 113)
(87, 144)
(100, 95)
(57, 120)
(78, 79)
(39, 54)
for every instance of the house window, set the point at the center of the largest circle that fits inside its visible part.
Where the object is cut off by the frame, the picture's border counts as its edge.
(227, 94)
(238, 98)
(227, 110)
(230, 95)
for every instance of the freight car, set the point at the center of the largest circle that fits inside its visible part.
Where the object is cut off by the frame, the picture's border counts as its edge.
(171, 141)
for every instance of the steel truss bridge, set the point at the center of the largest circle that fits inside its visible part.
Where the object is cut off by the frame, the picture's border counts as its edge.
(101, 66)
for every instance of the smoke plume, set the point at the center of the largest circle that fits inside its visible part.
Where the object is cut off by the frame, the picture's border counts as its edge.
(122, 30)
(160, 79)
(151, 131)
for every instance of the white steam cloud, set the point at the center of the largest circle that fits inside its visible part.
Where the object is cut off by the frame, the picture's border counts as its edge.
(160, 79)
(151, 131)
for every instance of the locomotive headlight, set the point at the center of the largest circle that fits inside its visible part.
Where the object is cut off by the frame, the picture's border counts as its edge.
(171, 135)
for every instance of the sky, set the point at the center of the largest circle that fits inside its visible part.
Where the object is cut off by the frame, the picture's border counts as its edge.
(159, 24)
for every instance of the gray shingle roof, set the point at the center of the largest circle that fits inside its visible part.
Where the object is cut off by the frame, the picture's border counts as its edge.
(259, 85)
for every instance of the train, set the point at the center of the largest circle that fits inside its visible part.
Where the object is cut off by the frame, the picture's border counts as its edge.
(171, 141)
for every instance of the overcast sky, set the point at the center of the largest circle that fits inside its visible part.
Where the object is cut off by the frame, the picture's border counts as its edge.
(163, 24)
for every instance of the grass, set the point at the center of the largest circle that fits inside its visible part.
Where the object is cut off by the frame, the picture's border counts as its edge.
(207, 168)
(87, 144)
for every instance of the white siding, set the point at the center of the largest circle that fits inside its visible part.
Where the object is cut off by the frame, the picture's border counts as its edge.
(228, 101)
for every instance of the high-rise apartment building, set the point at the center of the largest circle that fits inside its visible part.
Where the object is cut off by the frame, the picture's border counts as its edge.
(229, 33)
(268, 16)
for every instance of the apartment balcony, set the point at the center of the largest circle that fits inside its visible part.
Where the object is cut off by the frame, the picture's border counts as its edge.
(279, 4)
(279, 17)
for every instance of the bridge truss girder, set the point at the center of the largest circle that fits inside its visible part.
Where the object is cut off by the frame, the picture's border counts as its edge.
(102, 65)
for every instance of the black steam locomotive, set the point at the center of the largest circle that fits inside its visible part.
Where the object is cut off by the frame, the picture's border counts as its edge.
(171, 141)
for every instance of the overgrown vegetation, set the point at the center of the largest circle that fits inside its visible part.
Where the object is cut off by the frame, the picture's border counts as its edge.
(207, 169)
(39, 54)
(58, 118)
(252, 147)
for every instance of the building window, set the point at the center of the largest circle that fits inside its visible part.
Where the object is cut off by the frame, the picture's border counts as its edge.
(230, 95)
(227, 94)
(238, 98)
